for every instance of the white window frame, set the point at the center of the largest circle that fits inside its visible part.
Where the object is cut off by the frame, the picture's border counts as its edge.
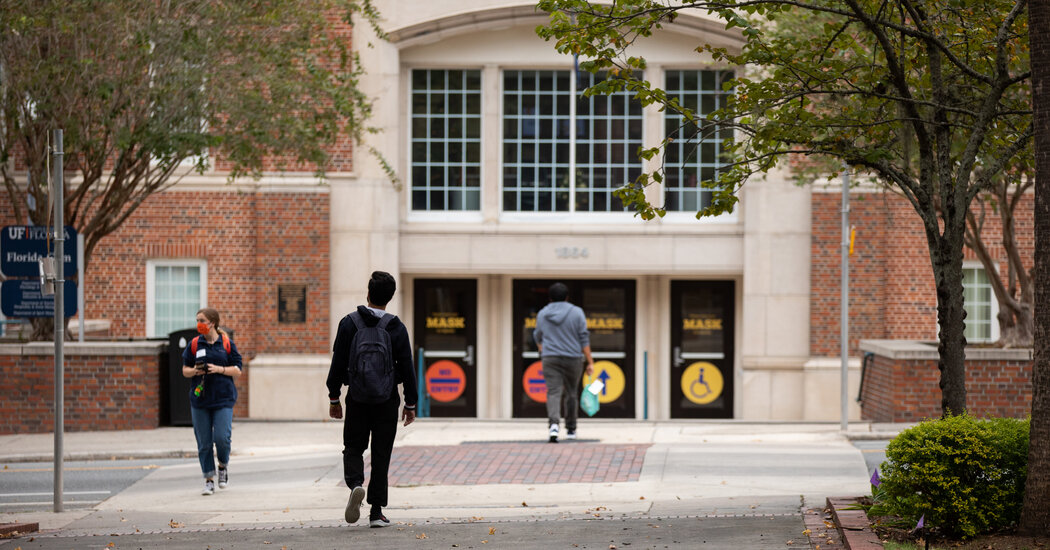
(994, 321)
(151, 287)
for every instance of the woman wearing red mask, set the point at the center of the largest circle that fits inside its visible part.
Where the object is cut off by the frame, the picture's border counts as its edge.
(212, 361)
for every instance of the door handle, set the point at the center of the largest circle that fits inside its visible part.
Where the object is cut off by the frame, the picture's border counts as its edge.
(678, 360)
(469, 359)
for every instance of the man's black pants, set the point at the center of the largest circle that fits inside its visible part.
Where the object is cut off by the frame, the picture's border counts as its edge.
(362, 421)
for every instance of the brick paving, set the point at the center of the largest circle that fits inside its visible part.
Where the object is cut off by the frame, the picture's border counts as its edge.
(525, 463)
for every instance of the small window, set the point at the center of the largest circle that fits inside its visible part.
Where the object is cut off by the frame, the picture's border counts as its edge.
(981, 306)
(175, 291)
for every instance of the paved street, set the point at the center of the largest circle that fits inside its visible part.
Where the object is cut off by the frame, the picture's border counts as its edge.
(625, 484)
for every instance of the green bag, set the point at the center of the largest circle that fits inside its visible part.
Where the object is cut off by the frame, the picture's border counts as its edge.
(589, 402)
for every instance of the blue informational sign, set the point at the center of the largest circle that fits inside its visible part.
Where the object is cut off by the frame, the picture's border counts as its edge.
(22, 298)
(21, 246)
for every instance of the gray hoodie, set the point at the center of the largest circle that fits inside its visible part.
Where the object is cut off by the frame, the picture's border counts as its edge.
(561, 328)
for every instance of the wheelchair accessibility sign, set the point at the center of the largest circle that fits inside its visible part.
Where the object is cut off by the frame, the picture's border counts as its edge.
(702, 383)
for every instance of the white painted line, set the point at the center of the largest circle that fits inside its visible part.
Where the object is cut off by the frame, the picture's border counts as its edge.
(48, 503)
(49, 494)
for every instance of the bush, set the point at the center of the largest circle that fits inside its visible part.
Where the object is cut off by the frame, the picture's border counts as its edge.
(966, 475)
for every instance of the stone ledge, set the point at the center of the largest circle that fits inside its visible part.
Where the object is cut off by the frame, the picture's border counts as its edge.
(70, 349)
(927, 351)
(853, 525)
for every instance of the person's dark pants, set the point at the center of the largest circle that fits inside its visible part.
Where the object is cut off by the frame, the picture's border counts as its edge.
(562, 375)
(379, 422)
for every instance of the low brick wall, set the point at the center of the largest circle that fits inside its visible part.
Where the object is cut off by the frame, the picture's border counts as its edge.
(108, 386)
(901, 383)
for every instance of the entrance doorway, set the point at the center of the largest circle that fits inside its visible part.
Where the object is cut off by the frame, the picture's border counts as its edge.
(610, 309)
(446, 330)
(702, 349)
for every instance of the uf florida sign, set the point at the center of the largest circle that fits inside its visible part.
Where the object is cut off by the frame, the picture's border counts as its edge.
(21, 246)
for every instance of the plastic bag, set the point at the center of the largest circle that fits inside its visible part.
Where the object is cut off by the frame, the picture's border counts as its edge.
(589, 398)
(589, 402)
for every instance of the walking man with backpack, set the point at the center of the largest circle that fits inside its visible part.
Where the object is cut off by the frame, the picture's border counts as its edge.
(371, 355)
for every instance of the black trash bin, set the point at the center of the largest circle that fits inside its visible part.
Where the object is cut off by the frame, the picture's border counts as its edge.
(175, 395)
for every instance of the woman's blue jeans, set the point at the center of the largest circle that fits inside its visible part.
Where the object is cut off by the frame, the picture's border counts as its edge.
(213, 428)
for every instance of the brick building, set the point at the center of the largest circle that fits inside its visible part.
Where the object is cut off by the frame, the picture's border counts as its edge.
(506, 186)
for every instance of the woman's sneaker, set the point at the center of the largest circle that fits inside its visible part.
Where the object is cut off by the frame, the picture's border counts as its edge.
(224, 478)
(553, 432)
(570, 435)
(209, 487)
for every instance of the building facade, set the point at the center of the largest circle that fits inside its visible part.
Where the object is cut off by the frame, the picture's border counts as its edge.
(505, 186)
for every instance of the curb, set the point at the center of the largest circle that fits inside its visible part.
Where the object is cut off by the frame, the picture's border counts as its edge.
(853, 525)
(17, 529)
(118, 455)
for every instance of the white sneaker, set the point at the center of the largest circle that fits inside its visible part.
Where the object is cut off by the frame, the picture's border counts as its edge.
(209, 487)
(553, 433)
(570, 435)
(353, 506)
(224, 478)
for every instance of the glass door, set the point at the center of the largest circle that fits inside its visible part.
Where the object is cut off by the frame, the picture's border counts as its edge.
(702, 349)
(446, 330)
(610, 310)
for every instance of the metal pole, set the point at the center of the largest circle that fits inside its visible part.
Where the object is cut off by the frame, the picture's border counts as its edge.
(80, 286)
(60, 305)
(645, 385)
(844, 341)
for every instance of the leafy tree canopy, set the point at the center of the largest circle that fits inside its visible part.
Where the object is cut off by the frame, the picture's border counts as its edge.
(145, 90)
(930, 97)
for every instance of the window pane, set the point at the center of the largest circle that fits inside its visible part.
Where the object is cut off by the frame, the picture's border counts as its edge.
(177, 297)
(446, 136)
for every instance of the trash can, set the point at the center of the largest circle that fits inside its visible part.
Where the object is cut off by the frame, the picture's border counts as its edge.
(175, 393)
(175, 404)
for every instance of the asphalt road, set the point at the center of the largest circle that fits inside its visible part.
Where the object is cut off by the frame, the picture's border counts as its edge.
(753, 533)
(29, 486)
(874, 452)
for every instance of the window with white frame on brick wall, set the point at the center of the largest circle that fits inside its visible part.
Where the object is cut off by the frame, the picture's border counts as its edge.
(981, 305)
(175, 291)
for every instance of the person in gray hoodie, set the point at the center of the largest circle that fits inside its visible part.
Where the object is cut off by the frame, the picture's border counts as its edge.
(564, 343)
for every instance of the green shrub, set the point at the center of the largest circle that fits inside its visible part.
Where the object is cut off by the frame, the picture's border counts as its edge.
(966, 475)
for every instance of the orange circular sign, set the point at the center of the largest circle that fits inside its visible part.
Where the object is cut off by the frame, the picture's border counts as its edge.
(445, 381)
(533, 382)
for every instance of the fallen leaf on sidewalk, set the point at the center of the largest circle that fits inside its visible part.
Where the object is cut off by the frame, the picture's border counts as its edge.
(421, 536)
(524, 504)
(492, 530)
(175, 524)
(641, 498)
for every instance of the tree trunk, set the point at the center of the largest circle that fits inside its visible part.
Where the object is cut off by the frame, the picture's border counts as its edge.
(1035, 513)
(946, 253)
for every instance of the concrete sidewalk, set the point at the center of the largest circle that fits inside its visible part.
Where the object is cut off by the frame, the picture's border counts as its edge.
(289, 475)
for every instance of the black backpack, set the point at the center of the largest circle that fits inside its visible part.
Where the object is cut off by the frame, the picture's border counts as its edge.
(371, 376)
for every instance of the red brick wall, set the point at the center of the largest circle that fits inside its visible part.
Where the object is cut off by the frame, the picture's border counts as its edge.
(252, 242)
(101, 392)
(892, 293)
(907, 390)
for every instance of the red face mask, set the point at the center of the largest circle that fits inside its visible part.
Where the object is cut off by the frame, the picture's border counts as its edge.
(202, 328)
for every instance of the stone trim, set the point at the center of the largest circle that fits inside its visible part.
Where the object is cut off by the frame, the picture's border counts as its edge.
(87, 348)
(926, 351)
